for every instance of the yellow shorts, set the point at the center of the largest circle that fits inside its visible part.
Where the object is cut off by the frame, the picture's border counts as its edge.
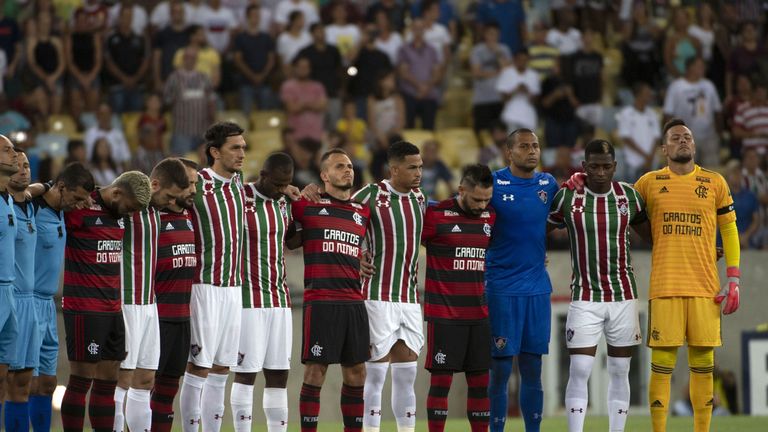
(673, 321)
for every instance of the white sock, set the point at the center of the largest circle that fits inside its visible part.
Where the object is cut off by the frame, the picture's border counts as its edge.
(375, 376)
(576, 392)
(618, 392)
(189, 402)
(241, 401)
(138, 414)
(403, 395)
(212, 405)
(119, 425)
(275, 403)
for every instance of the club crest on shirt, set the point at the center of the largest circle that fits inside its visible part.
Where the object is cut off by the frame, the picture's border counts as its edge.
(358, 219)
(543, 196)
(283, 208)
(623, 206)
(195, 350)
(569, 334)
(487, 230)
(500, 342)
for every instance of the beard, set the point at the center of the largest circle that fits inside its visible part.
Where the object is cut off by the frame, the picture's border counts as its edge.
(682, 158)
(342, 186)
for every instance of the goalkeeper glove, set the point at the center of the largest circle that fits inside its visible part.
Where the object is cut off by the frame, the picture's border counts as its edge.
(730, 291)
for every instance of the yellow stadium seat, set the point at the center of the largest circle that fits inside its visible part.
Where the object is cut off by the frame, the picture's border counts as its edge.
(458, 146)
(261, 120)
(234, 116)
(63, 124)
(260, 144)
(418, 136)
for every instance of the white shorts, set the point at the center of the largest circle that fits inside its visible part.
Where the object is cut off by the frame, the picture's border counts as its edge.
(588, 321)
(390, 321)
(266, 338)
(215, 314)
(142, 337)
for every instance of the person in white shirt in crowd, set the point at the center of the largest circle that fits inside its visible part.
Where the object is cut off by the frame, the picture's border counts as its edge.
(519, 85)
(218, 22)
(750, 122)
(387, 40)
(138, 19)
(344, 35)
(435, 34)
(565, 36)
(639, 130)
(285, 8)
(292, 40)
(161, 14)
(103, 128)
(694, 99)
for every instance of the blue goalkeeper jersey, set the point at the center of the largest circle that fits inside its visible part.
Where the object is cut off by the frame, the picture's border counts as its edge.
(515, 258)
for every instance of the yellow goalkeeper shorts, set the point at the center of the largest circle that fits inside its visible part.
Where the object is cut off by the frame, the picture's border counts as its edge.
(673, 321)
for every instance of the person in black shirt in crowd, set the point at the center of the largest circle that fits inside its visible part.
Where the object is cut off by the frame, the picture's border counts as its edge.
(370, 62)
(84, 52)
(558, 107)
(585, 75)
(254, 58)
(127, 57)
(167, 41)
(327, 68)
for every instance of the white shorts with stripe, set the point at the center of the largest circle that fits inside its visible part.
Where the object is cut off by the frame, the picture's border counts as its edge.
(391, 321)
(142, 337)
(215, 315)
(266, 339)
(588, 321)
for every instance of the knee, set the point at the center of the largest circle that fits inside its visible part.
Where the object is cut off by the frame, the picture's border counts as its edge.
(666, 357)
(376, 374)
(701, 356)
(355, 375)
(619, 366)
(46, 385)
(314, 374)
(579, 371)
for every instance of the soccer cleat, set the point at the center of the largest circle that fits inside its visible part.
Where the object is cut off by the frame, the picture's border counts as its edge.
(730, 291)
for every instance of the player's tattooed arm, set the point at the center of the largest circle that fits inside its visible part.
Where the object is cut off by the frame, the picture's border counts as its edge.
(293, 238)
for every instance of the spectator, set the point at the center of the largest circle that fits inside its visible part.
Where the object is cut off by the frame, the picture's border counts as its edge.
(170, 39)
(353, 129)
(585, 74)
(304, 155)
(118, 145)
(744, 57)
(487, 59)
(386, 111)
(509, 15)
(11, 120)
(193, 103)
(292, 40)
(435, 34)
(420, 74)
(45, 59)
(562, 168)
(755, 180)
(286, 8)
(543, 55)
(519, 85)
(641, 61)
(218, 22)
(342, 34)
(162, 14)
(94, 15)
(394, 10)
(103, 166)
(42, 7)
(694, 99)
(305, 101)
(369, 62)
(138, 16)
(494, 153)
(558, 106)
(434, 170)
(680, 45)
(208, 59)
(745, 204)
(565, 36)
(639, 130)
(83, 50)
(10, 44)
(127, 58)
(254, 58)
(446, 14)
(152, 123)
(327, 68)
(750, 123)
(742, 95)
(704, 31)
(351, 9)
(387, 41)
(76, 152)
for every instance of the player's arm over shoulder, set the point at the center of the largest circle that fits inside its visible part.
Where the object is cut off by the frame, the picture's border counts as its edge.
(429, 229)
(365, 194)
(556, 217)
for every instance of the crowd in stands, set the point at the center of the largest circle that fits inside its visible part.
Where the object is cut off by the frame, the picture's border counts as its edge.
(122, 84)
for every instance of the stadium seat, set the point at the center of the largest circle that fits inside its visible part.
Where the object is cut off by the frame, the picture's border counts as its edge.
(458, 146)
(235, 116)
(52, 144)
(260, 144)
(88, 120)
(417, 136)
(261, 120)
(63, 124)
(131, 129)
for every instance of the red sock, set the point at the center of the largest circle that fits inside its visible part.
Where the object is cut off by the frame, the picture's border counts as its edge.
(478, 404)
(352, 407)
(101, 405)
(163, 395)
(73, 404)
(437, 401)
(309, 407)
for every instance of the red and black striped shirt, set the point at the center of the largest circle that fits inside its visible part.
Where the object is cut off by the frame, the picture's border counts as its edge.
(456, 242)
(92, 259)
(332, 233)
(176, 262)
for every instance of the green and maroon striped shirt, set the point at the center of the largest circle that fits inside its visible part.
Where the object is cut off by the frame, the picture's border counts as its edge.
(140, 256)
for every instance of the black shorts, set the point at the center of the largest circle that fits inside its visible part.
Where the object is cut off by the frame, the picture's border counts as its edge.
(335, 333)
(458, 347)
(174, 348)
(94, 337)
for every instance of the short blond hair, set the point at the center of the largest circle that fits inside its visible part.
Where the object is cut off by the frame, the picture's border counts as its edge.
(137, 184)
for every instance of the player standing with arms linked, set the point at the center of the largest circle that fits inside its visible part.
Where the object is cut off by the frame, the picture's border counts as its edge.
(456, 233)
(603, 287)
(68, 191)
(176, 263)
(266, 345)
(516, 281)
(9, 165)
(216, 302)
(686, 205)
(335, 325)
(93, 317)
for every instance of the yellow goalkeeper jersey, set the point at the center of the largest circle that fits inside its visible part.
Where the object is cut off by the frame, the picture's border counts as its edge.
(685, 211)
